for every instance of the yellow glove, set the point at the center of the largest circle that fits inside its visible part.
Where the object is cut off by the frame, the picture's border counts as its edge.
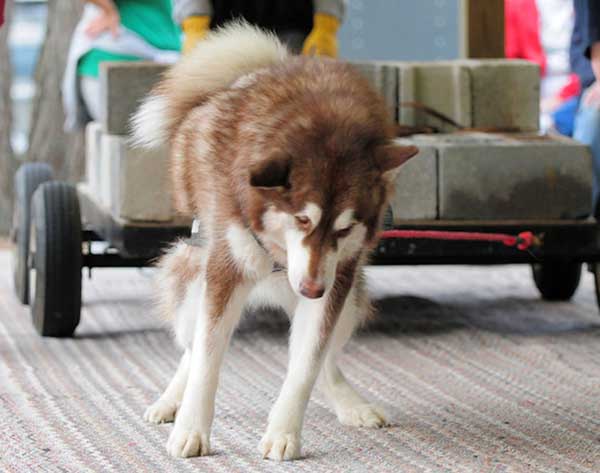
(195, 28)
(322, 40)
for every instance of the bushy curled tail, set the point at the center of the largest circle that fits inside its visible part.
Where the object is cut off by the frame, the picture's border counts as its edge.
(225, 55)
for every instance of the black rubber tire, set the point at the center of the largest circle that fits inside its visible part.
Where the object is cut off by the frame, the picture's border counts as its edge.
(595, 270)
(56, 258)
(557, 280)
(27, 179)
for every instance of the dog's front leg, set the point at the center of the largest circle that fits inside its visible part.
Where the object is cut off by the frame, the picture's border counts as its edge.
(351, 408)
(222, 301)
(164, 409)
(312, 325)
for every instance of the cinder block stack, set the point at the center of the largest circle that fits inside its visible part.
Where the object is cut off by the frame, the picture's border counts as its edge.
(456, 176)
(131, 183)
(484, 176)
(513, 175)
(491, 93)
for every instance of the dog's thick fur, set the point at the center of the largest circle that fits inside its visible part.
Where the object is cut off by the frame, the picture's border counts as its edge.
(287, 162)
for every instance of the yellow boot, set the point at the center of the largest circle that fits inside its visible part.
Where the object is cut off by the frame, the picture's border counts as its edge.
(195, 28)
(322, 40)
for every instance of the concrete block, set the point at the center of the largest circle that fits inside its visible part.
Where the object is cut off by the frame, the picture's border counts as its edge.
(108, 171)
(93, 134)
(512, 177)
(135, 181)
(474, 93)
(505, 94)
(384, 78)
(415, 193)
(122, 86)
(443, 86)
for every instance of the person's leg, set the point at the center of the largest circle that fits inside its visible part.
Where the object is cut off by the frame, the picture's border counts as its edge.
(293, 40)
(90, 91)
(587, 131)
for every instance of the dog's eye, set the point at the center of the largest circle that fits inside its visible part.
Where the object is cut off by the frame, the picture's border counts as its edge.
(344, 232)
(303, 221)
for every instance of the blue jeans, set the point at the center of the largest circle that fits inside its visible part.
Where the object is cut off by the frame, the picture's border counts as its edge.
(587, 131)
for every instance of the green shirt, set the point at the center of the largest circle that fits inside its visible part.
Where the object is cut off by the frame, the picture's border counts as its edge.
(151, 19)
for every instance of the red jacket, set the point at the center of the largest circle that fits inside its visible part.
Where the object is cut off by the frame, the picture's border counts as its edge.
(522, 40)
(1, 12)
(522, 32)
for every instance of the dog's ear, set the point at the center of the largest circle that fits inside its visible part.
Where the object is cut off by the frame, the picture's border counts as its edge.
(272, 173)
(390, 157)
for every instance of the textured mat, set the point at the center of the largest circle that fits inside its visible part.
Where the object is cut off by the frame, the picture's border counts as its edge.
(476, 372)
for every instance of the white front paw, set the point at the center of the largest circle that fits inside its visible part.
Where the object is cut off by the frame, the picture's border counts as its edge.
(184, 442)
(280, 446)
(363, 415)
(161, 411)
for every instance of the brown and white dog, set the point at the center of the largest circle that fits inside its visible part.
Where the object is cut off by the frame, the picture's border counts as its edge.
(287, 162)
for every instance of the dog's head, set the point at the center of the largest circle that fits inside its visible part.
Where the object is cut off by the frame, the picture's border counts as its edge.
(321, 199)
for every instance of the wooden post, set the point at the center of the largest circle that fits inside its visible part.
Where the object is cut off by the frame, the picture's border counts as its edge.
(47, 140)
(7, 158)
(483, 28)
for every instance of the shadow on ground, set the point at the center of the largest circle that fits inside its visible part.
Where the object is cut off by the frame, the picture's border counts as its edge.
(92, 335)
(413, 315)
(508, 315)
(416, 315)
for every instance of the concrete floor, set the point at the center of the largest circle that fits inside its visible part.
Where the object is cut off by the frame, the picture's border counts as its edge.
(476, 372)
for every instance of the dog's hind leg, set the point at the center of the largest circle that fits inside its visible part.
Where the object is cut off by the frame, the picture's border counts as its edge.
(350, 407)
(164, 409)
(179, 284)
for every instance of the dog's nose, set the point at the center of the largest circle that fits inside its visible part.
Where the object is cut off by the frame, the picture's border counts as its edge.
(311, 289)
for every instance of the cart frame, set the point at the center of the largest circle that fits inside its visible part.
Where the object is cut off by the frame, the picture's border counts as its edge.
(52, 217)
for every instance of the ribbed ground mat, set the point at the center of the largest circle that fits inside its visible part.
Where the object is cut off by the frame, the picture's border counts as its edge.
(476, 373)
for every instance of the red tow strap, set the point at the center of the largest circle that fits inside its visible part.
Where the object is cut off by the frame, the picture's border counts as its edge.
(522, 241)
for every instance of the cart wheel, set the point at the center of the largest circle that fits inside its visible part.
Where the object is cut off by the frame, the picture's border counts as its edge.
(595, 270)
(557, 280)
(28, 177)
(55, 259)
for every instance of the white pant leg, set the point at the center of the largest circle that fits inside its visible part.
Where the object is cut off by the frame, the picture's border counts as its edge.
(90, 91)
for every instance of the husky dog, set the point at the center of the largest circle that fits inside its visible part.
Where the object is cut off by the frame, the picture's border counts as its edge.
(287, 163)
